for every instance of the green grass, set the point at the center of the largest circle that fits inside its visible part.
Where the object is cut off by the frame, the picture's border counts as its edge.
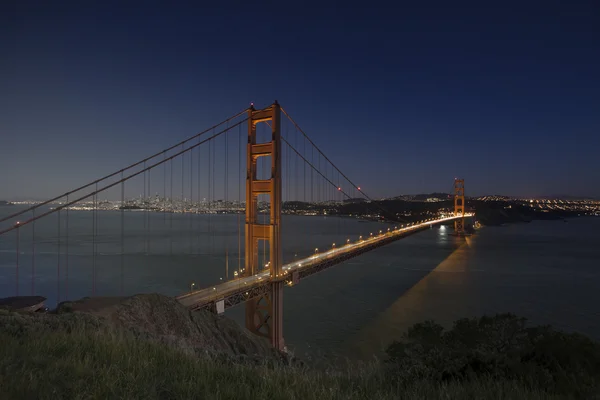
(85, 361)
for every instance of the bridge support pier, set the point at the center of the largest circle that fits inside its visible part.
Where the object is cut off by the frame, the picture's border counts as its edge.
(264, 315)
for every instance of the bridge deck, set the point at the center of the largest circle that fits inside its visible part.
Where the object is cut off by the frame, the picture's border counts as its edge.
(241, 289)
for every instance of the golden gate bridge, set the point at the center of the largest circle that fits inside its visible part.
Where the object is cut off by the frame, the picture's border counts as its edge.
(255, 165)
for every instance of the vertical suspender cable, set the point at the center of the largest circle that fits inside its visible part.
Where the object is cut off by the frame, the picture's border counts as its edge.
(17, 265)
(93, 244)
(58, 261)
(183, 203)
(122, 234)
(94, 230)
(225, 194)
(191, 216)
(209, 169)
(164, 200)
(214, 189)
(319, 182)
(33, 255)
(304, 179)
(172, 209)
(199, 199)
(96, 243)
(145, 215)
(341, 204)
(239, 214)
(296, 169)
(149, 214)
(266, 217)
(183, 208)
(67, 252)
(287, 172)
(312, 160)
(304, 174)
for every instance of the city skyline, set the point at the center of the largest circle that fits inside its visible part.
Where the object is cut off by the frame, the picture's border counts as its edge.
(401, 107)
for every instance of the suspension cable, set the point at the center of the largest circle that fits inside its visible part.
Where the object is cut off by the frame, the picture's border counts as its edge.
(326, 158)
(96, 191)
(123, 169)
(325, 178)
(335, 167)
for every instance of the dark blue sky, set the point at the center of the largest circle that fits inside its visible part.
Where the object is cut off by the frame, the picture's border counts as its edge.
(403, 96)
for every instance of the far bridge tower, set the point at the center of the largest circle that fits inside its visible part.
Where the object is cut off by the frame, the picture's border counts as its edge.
(459, 206)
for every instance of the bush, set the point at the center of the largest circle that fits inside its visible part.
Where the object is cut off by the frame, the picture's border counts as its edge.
(498, 348)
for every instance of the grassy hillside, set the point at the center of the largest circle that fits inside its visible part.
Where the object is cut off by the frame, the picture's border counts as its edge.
(84, 363)
(83, 355)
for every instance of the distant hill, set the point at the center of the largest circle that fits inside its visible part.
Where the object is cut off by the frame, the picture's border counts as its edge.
(421, 196)
(5, 203)
(354, 200)
(567, 197)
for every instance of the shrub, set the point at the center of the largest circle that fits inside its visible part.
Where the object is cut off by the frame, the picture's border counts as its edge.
(499, 348)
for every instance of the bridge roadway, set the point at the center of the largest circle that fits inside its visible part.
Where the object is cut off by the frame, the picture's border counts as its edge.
(246, 287)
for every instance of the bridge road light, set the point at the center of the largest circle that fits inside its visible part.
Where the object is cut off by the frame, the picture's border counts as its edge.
(333, 246)
(316, 250)
(192, 287)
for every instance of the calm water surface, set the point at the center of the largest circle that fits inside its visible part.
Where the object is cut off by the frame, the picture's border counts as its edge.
(546, 271)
